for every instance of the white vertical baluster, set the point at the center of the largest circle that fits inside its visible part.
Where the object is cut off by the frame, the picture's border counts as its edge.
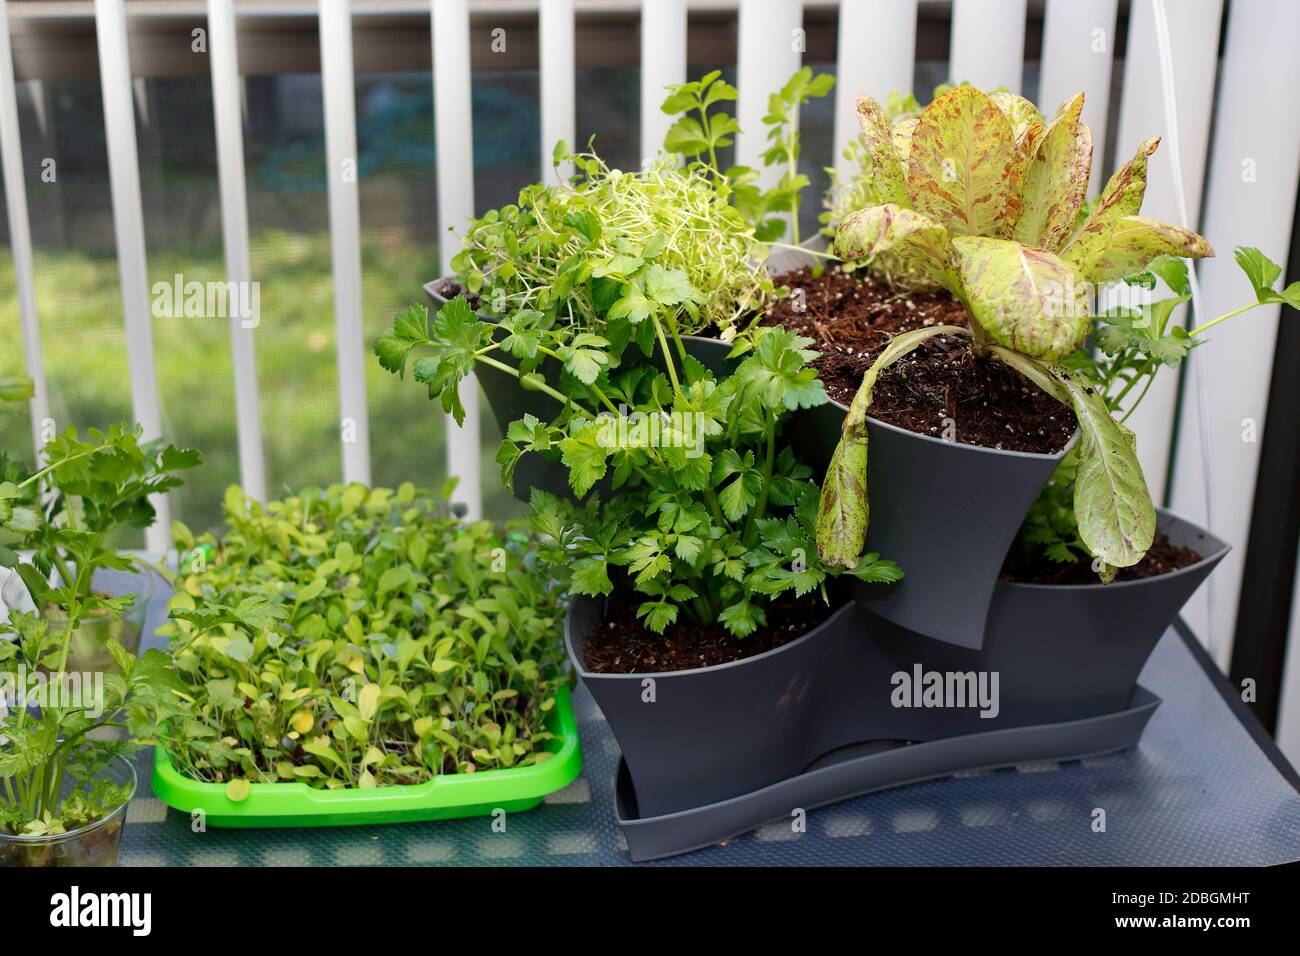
(227, 112)
(555, 42)
(1078, 52)
(663, 63)
(988, 43)
(345, 233)
(876, 55)
(128, 229)
(1250, 200)
(770, 48)
(453, 117)
(1194, 36)
(20, 234)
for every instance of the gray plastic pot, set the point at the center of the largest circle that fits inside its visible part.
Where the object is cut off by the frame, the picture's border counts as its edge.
(1070, 651)
(946, 512)
(1061, 654)
(697, 736)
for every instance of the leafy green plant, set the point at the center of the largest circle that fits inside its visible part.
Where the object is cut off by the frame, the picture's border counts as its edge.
(51, 769)
(64, 515)
(709, 516)
(590, 259)
(355, 637)
(69, 512)
(983, 198)
(1134, 344)
(702, 128)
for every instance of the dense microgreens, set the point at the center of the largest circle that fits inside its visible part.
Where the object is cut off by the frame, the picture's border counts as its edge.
(979, 195)
(355, 637)
(612, 248)
(65, 514)
(708, 514)
(1133, 344)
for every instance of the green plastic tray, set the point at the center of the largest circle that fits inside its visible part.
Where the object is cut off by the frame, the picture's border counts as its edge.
(445, 797)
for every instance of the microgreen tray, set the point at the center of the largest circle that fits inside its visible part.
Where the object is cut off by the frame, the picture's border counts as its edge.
(445, 797)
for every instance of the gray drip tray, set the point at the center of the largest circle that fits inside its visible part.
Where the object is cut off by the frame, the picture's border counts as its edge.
(874, 765)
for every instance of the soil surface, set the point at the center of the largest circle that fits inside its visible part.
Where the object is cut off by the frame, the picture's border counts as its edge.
(940, 389)
(623, 645)
(1161, 559)
(449, 288)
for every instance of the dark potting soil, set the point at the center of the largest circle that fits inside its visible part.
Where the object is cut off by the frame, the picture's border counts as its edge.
(449, 288)
(624, 645)
(1162, 558)
(851, 318)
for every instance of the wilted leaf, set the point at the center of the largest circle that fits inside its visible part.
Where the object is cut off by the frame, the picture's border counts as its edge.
(843, 510)
(1117, 520)
(1112, 506)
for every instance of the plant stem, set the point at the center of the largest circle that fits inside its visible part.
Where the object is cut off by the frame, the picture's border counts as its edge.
(541, 387)
(760, 506)
(50, 467)
(812, 252)
(793, 166)
(713, 153)
(1145, 369)
(1141, 395)
(668, 359)
(1223, 318)
(672, 328)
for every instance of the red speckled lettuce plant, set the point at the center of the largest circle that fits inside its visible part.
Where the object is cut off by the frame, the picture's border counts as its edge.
(980, 196)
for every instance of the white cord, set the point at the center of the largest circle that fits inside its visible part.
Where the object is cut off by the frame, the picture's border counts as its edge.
(1199, 366)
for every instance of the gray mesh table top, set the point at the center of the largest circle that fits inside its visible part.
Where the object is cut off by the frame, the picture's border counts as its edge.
(1197, 791)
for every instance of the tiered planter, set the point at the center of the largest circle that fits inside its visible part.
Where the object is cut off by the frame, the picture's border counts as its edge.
(711, 752)
(722, 749)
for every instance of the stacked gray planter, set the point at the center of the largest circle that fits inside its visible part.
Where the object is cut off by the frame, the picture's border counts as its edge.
(707, 750)
(710, 752)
